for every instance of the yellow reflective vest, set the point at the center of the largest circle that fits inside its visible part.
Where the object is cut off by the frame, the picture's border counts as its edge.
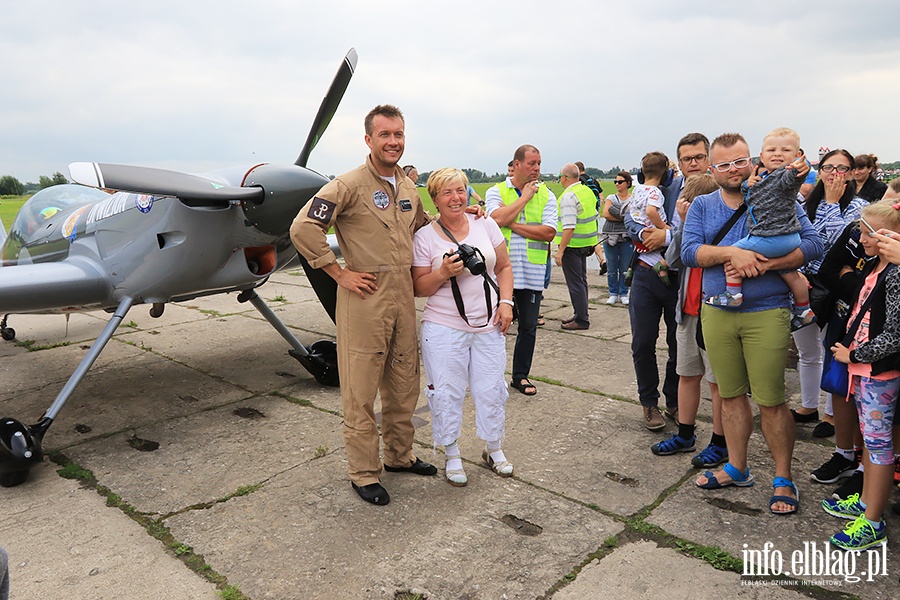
(538, 252)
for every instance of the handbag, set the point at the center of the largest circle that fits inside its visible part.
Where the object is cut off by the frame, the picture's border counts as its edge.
(835, 376)
(701, 343)
(821, 299)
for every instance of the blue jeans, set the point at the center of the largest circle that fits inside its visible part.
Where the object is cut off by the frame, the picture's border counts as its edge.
(617, 259)
(528, 307)
(651, 299)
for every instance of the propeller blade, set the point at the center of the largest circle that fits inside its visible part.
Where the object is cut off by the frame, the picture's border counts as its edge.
(329, 106)
(189, 188)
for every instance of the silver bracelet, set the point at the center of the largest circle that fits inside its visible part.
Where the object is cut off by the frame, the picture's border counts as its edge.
(506, 301)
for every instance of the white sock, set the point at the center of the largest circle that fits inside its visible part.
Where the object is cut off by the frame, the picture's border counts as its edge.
(496, 453)
(848, 454)
(454, 460)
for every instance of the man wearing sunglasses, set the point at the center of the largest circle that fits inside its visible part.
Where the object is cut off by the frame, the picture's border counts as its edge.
(747, 344)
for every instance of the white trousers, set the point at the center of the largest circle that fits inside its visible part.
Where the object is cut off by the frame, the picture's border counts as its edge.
(455, 360)
(809, 365)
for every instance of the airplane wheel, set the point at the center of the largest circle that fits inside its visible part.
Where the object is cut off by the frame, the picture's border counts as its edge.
(8, 334)
(13, 479)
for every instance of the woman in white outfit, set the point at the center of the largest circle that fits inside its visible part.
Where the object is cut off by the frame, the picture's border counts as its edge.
(465, 320)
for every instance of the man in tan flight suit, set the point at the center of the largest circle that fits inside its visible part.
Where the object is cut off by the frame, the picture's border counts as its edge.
(375, 210)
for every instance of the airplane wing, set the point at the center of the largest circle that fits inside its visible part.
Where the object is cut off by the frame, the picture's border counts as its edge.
(49, 286)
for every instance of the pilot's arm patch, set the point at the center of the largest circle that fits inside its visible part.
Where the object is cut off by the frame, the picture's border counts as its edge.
(321, 210)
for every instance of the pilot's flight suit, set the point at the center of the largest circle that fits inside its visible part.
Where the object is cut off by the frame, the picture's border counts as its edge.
(376, 336)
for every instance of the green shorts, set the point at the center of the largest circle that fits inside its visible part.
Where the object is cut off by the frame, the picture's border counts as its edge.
(748, 350)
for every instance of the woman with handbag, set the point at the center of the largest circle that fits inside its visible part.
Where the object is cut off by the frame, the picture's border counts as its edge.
(871, 352)
(831, 206)
(461, 264)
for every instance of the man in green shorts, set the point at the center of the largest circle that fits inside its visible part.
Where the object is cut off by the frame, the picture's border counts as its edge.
(748, 344)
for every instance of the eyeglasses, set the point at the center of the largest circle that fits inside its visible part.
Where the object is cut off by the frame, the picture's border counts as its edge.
(692, 159)
(839, 168)
(618, 181)
(737, 164)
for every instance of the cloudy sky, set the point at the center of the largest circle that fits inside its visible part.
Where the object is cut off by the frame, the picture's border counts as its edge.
(197, 85)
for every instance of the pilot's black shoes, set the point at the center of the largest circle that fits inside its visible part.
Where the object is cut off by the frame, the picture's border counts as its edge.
(374, 493)
(419, 467)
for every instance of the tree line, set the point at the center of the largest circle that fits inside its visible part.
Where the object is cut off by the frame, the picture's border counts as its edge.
(10, 186)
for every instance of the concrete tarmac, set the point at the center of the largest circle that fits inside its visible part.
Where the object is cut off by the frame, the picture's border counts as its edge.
(207, 463)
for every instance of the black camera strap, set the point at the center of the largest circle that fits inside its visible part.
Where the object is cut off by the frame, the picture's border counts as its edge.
(488, 284)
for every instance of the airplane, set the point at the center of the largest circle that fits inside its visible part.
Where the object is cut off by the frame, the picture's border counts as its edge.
(124, 235)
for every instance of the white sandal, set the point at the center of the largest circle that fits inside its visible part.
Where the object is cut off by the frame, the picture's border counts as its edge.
(456, 477)
(503, 468)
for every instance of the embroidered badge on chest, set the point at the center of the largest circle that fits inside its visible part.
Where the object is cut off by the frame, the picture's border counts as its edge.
(405, 205)
(381, 199)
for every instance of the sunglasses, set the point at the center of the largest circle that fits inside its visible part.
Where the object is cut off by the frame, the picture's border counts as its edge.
(618, 181)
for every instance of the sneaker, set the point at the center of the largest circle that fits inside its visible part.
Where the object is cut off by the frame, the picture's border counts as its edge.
(860, 535)
(672, 413)
(845, 509)
(852, 486)
(802, 319)
(623, 300)
(612, 299)
(725, 299)
(653, 419)
(837, 467)
(711, 456)
(673, 445)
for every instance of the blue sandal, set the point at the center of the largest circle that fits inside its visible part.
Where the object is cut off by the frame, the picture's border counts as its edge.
(794, 503)
(737, 478)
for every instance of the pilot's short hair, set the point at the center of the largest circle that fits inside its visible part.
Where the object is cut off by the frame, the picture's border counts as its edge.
(385, 110)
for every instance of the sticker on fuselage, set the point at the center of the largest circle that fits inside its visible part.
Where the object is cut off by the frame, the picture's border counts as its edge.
(381, 199)
(114, 205)
(144, 203)
(70, 225)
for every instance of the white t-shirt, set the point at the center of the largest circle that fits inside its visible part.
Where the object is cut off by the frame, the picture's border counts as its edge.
(428, 251)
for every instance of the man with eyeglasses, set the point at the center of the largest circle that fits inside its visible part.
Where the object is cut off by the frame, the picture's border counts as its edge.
(747, 345)
(651, 299)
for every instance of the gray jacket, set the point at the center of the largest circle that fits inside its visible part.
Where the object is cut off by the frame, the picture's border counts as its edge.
(772, 204)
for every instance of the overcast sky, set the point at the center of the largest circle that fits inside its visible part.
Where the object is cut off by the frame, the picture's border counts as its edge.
(197, 85)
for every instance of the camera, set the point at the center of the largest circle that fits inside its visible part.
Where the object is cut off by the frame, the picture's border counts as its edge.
(472, 258)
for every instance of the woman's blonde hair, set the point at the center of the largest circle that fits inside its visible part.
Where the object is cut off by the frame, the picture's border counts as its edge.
(886, 211)
(442, 178)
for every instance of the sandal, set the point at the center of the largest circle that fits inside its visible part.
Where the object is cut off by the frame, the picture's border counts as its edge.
(737, 478)
(456, 477)
(541, 320)
(522, 385)
(503, 468)
(794, 503)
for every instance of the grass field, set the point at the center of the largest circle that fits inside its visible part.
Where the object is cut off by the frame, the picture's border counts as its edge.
(9, 206)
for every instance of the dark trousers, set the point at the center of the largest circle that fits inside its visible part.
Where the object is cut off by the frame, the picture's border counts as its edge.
(528, 307)
(574, 266)
(651, 299)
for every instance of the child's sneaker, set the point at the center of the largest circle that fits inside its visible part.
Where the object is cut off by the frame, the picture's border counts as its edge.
(799, 320)
(850, 508)
(726, 299)
(672, 445)
(860, 535)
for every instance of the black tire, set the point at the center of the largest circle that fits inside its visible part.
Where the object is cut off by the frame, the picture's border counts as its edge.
(13, 479)
(8, 333)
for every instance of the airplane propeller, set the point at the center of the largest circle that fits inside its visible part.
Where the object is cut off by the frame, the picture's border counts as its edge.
(192, 189)
(329, 106)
